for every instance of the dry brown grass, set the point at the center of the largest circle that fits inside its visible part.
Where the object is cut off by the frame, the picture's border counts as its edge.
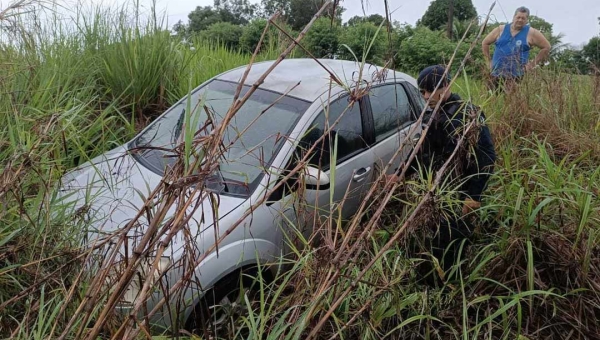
(561, 108)
(391, 220)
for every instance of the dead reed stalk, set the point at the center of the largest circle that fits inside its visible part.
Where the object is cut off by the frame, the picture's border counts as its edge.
(168, 197)
(388, 189)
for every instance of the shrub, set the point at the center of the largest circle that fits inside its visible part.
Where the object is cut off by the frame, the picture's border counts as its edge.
(358, 38)
(252, 32)
(223, 33)
(570, 61)
(322, 39)
(436, 15)
(591, 51)
(427, 47)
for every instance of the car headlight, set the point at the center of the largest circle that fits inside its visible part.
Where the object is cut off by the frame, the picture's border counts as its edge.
(137, 282)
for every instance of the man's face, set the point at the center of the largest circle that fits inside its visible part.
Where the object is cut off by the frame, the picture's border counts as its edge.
(520, 20)
(433, 97)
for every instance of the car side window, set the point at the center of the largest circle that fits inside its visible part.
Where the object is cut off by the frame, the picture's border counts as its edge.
(349, 132)
(417, 98)
(391, 110)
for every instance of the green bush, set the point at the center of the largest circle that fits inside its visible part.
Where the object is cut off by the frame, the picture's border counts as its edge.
(570, 61)
(252, 32)
(358, 38)
(436, 16)
(237, 12)
(224, 33)
(591, 51)
(399, 34)
(427, 47)
(322, 39)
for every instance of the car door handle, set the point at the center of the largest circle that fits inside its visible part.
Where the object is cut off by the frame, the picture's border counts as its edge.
(361, 174)
(416, 137)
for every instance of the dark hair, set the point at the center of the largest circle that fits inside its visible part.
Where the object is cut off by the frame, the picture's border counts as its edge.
(522, 9)
(431, 76)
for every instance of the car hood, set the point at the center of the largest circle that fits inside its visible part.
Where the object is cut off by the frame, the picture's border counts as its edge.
(109, 191)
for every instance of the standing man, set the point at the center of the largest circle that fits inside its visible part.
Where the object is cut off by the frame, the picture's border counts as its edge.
(513, 44)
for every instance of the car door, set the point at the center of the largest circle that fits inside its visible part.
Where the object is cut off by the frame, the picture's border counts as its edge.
(343, 156)
(394, 114)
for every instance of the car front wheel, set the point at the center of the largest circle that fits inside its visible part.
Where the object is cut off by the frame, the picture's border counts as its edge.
(219, 313)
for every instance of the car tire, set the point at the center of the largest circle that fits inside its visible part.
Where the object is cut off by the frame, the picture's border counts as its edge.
(216, 315)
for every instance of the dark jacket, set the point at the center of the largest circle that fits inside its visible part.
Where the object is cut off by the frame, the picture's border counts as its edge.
(442, 138)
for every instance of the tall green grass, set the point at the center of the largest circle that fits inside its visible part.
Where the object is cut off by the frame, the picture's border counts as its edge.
(67, 95)
(532, 271)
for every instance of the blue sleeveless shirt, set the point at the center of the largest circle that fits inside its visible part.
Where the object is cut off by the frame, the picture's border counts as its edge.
(511, 54)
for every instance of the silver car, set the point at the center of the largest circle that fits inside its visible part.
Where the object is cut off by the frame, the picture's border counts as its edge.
(274, 127)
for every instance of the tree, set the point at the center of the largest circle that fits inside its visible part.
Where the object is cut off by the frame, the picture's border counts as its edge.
(236, 12)
(557, 44)
(541, 25)
(253, 31)
(571, 61)
(404, 31)
(302, 11)
(436, 15)
(547, 29)
(591, 51)
(322, 39)
(450, 26)
(180, 28)
(202, 17)
(298, 13)
(400, 33)
(426, 47)
(224, 33)
(251, 35)
(460, 28)
(269, 7)
(358, 38)
(375, 19)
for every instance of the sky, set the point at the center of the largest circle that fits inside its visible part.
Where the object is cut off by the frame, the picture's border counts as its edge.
(576, 19)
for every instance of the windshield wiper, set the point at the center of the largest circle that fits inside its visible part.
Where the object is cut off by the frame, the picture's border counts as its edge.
(222, 179)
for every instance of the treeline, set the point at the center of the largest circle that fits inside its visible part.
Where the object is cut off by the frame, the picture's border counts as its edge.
(238, 24)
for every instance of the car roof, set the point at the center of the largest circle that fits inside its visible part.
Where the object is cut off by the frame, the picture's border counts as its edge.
(310, 77)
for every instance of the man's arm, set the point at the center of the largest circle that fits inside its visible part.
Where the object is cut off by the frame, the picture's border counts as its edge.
(487, 42)
(540, 41)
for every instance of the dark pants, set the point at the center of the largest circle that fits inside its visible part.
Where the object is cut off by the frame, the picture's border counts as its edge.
(455, 233)
(448, 245)
(477, 181)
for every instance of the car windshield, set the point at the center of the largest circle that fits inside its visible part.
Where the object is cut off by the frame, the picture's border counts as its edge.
(252, 138)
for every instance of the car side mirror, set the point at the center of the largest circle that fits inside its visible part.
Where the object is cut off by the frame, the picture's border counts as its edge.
(315, 178)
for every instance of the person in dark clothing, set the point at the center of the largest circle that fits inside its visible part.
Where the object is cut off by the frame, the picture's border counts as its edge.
(446, 130)
(474, 168)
